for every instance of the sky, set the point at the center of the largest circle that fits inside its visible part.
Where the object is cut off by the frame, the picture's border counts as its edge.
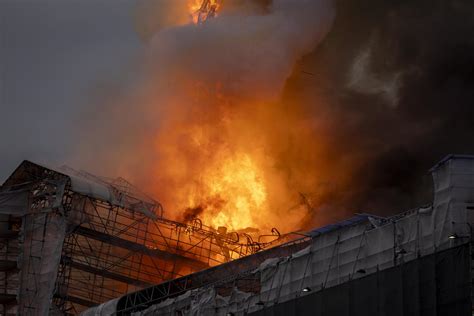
(53, 54)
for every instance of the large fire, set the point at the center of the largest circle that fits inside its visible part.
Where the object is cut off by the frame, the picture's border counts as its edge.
(210, 133)
(221, 163)
(228, 152)
(219, 167)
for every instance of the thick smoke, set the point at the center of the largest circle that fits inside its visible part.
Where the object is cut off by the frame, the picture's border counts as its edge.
(397, 78)
(352, 124)
(205, 120)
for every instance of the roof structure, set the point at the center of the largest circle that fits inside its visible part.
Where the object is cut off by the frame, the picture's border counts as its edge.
(79, 240)
(325, 258)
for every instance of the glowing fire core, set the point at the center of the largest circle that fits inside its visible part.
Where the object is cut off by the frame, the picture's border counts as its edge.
(238, 184)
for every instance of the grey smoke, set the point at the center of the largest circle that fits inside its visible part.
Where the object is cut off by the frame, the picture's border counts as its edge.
(364, 80)
(399, 79)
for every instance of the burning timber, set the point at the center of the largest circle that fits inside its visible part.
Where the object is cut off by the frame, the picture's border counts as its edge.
(71, 240)
(416, 263)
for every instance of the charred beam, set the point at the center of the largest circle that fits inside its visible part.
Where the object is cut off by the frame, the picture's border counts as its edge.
(126, 244)
(107, 274)
(78, 300)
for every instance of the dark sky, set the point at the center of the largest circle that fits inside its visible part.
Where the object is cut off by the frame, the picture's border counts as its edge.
(53, 53)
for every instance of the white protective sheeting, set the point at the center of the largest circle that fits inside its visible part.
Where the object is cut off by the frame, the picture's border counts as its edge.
(353, 251)
(43, 236)
(170, 305)
(105, 309)
(94, 187)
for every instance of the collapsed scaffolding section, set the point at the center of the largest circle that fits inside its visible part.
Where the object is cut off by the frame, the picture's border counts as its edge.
(77, 240)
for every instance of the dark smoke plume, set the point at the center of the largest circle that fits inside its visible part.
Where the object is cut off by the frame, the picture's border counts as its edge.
(397, 80)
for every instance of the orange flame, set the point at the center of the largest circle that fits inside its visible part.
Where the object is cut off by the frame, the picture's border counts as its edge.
(201, 10)
(240, 183)
(215, 142)
(219, 164)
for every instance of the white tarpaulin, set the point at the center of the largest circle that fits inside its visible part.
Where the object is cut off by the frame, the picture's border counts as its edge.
(105, 309)
(42, 238)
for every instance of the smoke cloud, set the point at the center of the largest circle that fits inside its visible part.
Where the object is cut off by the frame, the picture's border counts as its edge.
(205, 122)
(397, 82)
(290, 114)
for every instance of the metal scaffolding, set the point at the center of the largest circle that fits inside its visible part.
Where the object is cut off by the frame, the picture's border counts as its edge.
(78, 240)
(237, 273)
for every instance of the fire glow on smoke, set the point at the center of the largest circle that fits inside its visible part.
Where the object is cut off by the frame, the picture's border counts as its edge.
(216, 142)
(231, 187)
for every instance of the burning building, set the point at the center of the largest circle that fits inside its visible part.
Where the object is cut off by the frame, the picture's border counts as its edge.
(418, 262)
(272, 109)
(214, 138)
(222, 127)
(71, 240)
